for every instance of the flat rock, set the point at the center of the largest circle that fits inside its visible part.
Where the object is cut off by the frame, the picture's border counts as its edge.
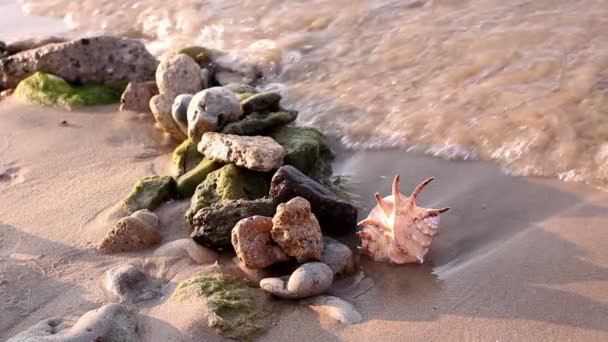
(178, 74)
(137, 95)
(99, 60)
(334, 307)
(256, 153)
(310, 279)
(148, 193)
(253, 245)
(213, 225)
(187, 248)
(296, 230)
(227, 182)
(132, 233)
(111, 322)
(261, 103)
(257, 123)
(210, 110)
(160, 105)
(335, 215)
(337, 256)
(130, 284)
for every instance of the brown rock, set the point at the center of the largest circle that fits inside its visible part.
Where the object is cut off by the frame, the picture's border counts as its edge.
(137, 95)
(132, 233)
(253, 245)
(296, 230)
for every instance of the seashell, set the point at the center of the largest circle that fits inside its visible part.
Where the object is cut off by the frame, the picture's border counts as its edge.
(398, 231)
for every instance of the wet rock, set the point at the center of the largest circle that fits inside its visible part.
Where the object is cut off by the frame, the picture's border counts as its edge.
(256, 123)
(338, 257)
(111, 322)
(187, 248)
(210, 110)
(131, 284)
(213, 225)
(32, 43)
(236, 311)
(296, 230)
(306, 149)
(228, 182)
(179, 111)
(187, 183)
(255, 153)
(3, 50)
(98, 60)
(310, 279)
(253, 245)
(185, 158)
(201, 55)
(49, 90)
(178, 74)
(137, 95)
(224, 78)
(148, 193)
(243, 97)
(241, 88)
(261, 103)
(334, 307)
(132, 233)
(160, 105)
(335, 215)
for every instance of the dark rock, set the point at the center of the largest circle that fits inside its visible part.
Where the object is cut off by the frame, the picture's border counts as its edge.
(3, 50)
(335, 215)
(213, 225)
(257, 123)
(137, 95)
(98, 60)
(307, 150)
(261, 103)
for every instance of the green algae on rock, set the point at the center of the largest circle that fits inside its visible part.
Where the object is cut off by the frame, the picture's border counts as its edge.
(256, 123)
(47, 89)
(185, 157)
(228, 182)
(307, 150)
(243, 96)
(236, 310)
(148, 193)
(187, 183)
(201, 55)
(261, 103)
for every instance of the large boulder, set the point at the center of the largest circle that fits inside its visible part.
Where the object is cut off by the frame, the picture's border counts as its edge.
(306, 149)
(132, 233)
(297, 231)
(46, 89)
(335, 215)
(256, 153)
(32, 43)
(178, 74)
(228, 182)
(253, 245)
(310, 279)
(210, 110)
(148, 193)
(212, 225)
(257, 123)
(99, 60)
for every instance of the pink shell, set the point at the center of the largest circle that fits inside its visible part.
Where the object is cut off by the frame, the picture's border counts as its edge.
(397, 230)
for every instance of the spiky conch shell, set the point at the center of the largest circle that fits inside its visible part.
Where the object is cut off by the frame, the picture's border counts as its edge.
(397, 230)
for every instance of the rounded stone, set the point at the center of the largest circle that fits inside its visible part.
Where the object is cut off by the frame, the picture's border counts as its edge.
(253, 245)
(178, 74)
(211, 109)
(179, 111)
(130, 284)
(310, 279)
(160, 105)
(338, 257)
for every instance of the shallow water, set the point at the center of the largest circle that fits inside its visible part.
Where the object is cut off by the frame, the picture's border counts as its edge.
(520, 82)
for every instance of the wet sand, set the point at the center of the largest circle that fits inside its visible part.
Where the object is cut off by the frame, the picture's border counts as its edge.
(516, 258)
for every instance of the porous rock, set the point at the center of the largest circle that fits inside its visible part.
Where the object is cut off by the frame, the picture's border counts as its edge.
(148, 193)
(261, 103)
(296, 230)
(132, 233)
(160, 105)
(228, 182)
(306, 149)
(335, 215)
(178, 74)
(335, 308)
(213, 225)
(310, 279)
(210, 110)
(130, 284)
(179, 111)
(98, 60)
(111, 322)
(256, 153)
(253, 245)
(256, 123)
(137, 95)
(337, 256)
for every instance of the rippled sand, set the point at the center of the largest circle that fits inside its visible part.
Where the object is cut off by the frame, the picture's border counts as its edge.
(520, 82)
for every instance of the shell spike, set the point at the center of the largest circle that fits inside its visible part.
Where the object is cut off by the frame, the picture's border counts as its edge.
(419, 188)
(383, 205)
(435, 212)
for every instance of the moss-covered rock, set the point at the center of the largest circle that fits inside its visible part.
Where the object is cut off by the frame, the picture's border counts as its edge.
(201, 55)
(261, 103)
(148, 193)
(256, 123)
(307, 150)
(187, 183)
(46, 89)
(235, 310)
(243, 96)
(228, 182)
(185, 157)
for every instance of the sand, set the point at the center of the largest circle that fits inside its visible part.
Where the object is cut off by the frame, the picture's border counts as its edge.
(517, 259)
